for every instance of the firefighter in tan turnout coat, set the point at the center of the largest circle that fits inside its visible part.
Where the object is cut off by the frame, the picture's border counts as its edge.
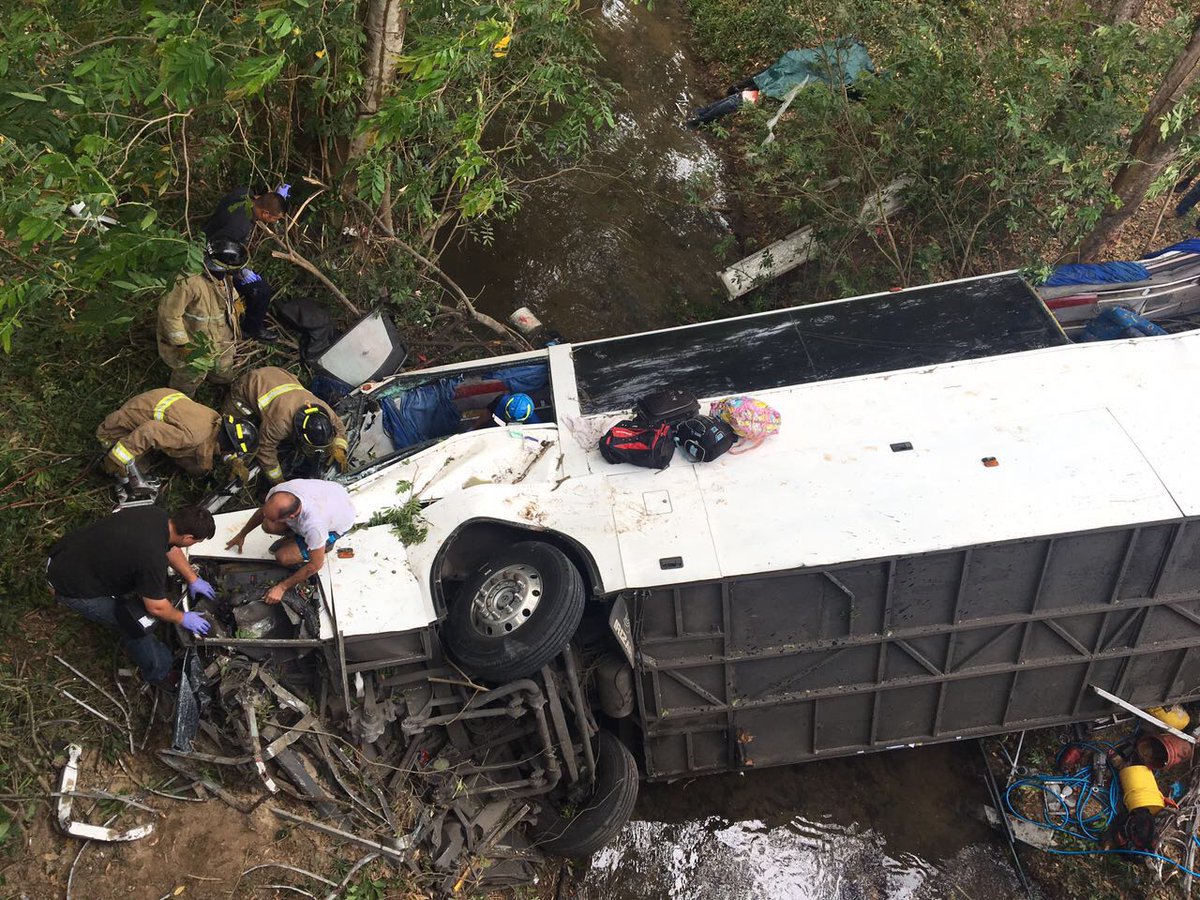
(287, 411)
(202, 304)
(191, 434)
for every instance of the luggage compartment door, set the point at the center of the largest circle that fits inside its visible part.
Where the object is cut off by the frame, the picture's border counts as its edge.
(662, 528)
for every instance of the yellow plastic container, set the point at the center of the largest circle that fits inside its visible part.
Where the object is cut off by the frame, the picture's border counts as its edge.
(1175, 716)
(1140, 789)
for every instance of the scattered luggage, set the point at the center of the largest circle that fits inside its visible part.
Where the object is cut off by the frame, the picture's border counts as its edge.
(666, 407)
(704, 438)
(753, 420)
(631, 442)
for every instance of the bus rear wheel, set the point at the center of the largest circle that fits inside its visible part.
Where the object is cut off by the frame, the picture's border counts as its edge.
(592, 824)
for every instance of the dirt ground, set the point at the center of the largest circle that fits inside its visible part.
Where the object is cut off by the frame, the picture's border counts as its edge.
(198, 850)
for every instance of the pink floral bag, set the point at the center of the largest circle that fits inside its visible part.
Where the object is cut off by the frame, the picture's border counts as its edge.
(753, 420)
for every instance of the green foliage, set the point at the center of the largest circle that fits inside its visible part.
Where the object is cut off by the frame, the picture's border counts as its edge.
(148, 113)
(462, 120)
(1008, 120)
(406, 521)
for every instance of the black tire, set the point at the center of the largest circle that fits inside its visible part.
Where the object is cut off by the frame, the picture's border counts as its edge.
(605, 813)
(535, 631)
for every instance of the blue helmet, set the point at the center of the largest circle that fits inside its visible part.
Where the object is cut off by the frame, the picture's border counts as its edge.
(516, 407)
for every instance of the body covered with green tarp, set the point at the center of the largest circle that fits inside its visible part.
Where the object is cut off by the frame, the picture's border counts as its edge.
(838, 62)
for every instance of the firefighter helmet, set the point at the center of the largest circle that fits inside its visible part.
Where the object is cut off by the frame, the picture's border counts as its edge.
(312, 428)
(225, 256)
(238, 435)
(516, 407)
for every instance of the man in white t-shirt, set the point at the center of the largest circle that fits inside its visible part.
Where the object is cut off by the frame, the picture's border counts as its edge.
(315, 513)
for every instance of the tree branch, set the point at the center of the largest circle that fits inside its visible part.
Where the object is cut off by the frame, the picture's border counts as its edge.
(291, 255)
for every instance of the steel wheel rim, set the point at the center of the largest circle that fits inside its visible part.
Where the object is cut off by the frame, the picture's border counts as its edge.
(506, 600)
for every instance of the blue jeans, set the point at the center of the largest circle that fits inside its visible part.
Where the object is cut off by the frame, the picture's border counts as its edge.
(257, 297)
(151, 656)
(302, 544)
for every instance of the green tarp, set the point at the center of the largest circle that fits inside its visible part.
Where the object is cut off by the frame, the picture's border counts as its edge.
(840, 62)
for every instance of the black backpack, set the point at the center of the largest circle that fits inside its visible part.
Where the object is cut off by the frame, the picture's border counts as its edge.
(670, 406)
(704, 438)
(629, 442)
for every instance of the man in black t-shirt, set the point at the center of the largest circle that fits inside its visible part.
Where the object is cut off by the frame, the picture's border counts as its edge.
(114, 572)
(233, 220)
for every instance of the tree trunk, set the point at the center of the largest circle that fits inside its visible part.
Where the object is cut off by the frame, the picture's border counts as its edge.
(1180, 77)
(1149, 152)
(384, 27)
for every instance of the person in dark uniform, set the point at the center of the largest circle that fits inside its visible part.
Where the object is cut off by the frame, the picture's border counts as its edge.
(114, 572)
(233, 220)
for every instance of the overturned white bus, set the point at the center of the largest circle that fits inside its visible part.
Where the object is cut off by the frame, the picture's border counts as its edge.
(965, 521)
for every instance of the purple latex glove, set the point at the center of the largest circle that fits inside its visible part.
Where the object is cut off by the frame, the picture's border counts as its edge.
(249, 276)
(195, 623)
(202, 588)
(283, 190)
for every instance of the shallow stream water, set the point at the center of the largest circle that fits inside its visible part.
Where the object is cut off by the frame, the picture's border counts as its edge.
(901, 825)
(624, 243)
(625, 246)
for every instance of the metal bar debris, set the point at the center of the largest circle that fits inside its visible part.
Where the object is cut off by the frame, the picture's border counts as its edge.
(67, 785)
(393, 853)
(256, 747)
(996, 798)
(1142, 714)
(212, 787)
(581, 711)
(293, 734)
(209, 758)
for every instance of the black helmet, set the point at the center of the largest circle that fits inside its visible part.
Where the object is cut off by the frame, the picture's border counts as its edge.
(223, 255)
(238, 435)
(312, 428)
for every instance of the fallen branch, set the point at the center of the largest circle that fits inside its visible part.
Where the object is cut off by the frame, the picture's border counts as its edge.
(464, 301)
(95, 712)
(297, 260)
(336, 892)
(115, 702)
(482, 318)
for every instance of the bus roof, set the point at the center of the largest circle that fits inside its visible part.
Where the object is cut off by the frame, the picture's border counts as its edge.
(967, 319)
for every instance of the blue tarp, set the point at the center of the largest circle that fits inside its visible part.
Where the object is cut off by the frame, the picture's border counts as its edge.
(1117, 323)
(522, 379)
(1097, 273)
(414, 415)
(421, 414)
(1191, 245)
